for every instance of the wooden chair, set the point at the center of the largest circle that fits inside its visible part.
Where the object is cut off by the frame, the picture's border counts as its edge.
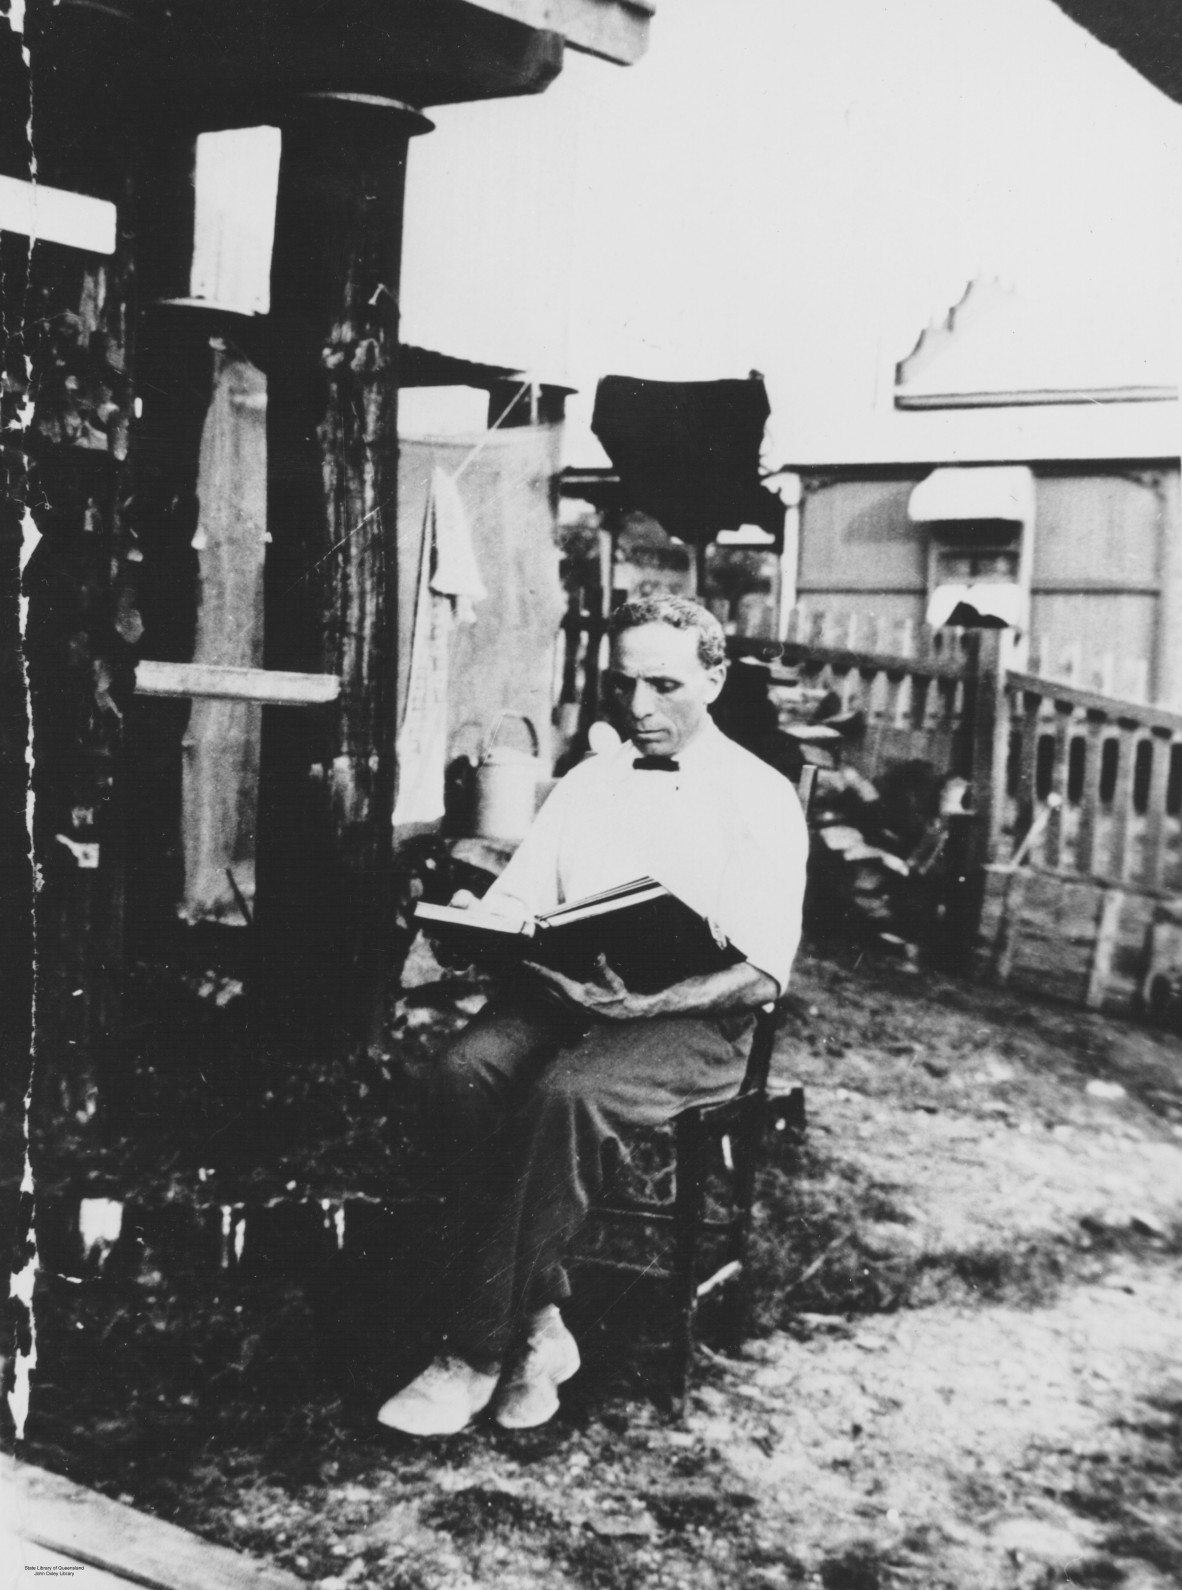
(719, 1141)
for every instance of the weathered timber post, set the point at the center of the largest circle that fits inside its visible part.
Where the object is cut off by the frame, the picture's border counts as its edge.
(327, 781)
(16, 876)
(973, 839)
(83, 622)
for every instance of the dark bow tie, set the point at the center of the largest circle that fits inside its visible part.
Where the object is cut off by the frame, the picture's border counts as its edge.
(656, 764)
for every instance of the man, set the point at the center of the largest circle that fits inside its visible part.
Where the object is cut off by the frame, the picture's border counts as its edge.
(531, 1091)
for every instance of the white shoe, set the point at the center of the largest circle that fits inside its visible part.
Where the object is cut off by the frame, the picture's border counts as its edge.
(445, 1398)
(529, 1396)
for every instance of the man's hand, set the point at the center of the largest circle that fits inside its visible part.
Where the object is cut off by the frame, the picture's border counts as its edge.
(509, 911)
(609, 998)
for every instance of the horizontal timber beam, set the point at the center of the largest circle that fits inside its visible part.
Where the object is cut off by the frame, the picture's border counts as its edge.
(271, 686)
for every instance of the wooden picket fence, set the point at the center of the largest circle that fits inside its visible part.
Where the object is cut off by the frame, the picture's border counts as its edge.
(1078, 793)
(915, 688)
(1087, 840)
(1101, 781)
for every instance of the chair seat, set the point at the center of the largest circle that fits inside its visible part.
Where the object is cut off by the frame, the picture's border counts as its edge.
(686, 1190)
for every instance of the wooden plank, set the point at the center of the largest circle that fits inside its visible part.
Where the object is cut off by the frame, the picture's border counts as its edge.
(988, 748)
(1153, 868)
(1059, 779)
(43, 1564)
(53, 215)
(1028, 761)
(1099, 880)
(1009, 926)
(1089, 800)
(615, 30)
(1122, 804)
(272, 686)
(1104, 948)
(60, 1516)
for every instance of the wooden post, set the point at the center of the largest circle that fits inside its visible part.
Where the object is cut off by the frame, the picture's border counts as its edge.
(1154, 857)
(972, 843)
(1089, 801)
(1064, 724)
(16, 871)
(327, 784)
(1104, 948)
(1122, 799)
(83, 620)
(1009, 924)
(1167, 660)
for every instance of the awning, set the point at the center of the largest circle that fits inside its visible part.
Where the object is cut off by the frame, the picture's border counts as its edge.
(1004, 491)
(992, 605)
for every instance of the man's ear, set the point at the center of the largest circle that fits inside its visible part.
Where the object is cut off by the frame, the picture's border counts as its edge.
(717, 680)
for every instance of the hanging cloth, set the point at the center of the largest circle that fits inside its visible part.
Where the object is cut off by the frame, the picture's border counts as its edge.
(449, 585)
(221, 746)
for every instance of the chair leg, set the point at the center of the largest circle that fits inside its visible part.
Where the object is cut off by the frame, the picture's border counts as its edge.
(687, 1226)
(745, 1146)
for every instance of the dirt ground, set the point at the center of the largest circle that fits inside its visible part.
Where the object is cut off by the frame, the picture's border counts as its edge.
(965, 1365)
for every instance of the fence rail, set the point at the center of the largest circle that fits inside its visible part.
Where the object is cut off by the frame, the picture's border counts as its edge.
(913, 687)
(1095, 781)
(1105, 775)
(1078, 793)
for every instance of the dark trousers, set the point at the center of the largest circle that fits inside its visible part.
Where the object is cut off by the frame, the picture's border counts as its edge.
(524, 1099)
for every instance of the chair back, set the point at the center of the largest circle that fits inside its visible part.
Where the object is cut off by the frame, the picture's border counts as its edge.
(767, 1020)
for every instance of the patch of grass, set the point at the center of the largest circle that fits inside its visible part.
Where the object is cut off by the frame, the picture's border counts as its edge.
(1095, 1573)
(700, 1506)
(1028, 1274)
(1101, 1238)
(818, 1247)
(604, 1565)
(764, 1555)
(860, 1567)
(478, 1511)
(1148, 1546)
(807, 1252)
(1138, 1493)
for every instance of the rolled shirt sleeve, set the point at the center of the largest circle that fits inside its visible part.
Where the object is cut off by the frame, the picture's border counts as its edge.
(761, 890)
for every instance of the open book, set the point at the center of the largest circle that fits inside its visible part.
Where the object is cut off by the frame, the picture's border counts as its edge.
(649, 936)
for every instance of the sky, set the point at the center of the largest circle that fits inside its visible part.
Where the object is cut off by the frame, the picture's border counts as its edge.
(796, 186)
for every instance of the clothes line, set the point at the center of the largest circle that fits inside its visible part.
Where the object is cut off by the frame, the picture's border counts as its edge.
(526, 386)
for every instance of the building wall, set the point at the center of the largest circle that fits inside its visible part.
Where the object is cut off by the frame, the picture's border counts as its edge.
(1106, 606)
(1099, 563)
(859, 552)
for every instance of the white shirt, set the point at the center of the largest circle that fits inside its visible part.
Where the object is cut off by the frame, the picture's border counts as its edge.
(725, 833)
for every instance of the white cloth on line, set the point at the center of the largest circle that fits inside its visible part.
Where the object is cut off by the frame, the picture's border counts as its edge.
(454, 571)
(449, 585)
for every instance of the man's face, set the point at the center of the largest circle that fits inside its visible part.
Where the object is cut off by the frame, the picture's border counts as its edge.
(658, 688)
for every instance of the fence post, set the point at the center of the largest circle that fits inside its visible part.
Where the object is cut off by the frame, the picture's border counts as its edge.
(976, 841)
(989, 739)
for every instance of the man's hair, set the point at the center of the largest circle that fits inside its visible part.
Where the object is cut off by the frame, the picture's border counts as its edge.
(679, 613)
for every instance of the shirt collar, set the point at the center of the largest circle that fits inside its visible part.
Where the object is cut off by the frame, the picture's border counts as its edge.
(699, 753)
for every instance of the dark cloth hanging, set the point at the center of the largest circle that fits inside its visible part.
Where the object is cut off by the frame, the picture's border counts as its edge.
(687, 452)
